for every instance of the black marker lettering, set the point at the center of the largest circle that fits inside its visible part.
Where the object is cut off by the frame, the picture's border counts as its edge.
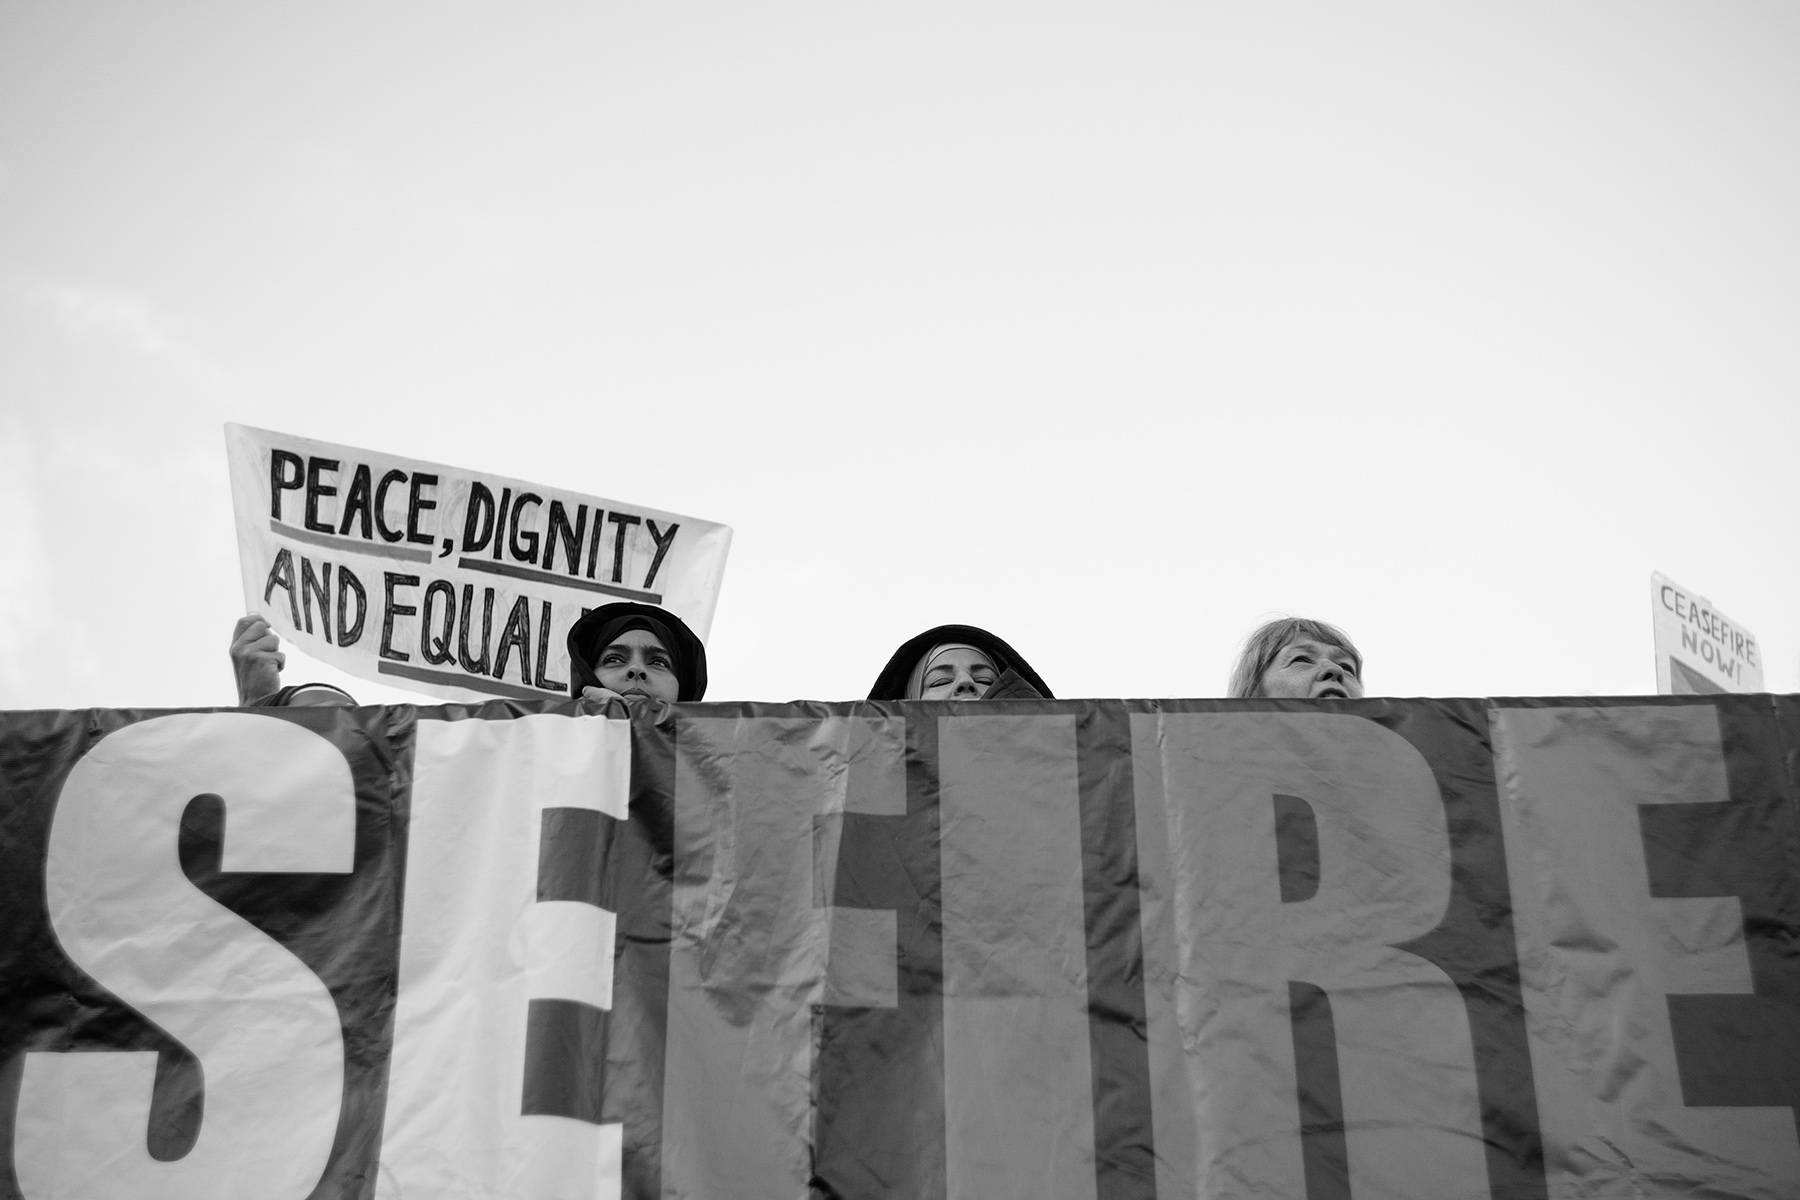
(284, 476)
(310, 586)
(487, 629)
(517, 633)
(500, 522)
(663, 542)
(543, 651)
(418, 501)
(317, 489)
(524, 541)
(570, 536)
(281, 575)
(350, 632)
(478, 520)
(387, 481)
(594, 544)
(390, 608)
(436, 650)
(624, 521)
(356, 503)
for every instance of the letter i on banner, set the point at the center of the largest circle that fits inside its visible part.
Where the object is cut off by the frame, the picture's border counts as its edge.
(506, 963)
(1018, 1082)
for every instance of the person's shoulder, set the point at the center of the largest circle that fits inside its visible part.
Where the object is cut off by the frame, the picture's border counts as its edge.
(1012, 686)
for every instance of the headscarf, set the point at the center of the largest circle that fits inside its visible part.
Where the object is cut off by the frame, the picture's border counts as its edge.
(603, 626)
(896, 679)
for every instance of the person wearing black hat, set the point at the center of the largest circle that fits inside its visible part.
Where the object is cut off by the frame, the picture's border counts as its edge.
(958, 662)
(623, 650)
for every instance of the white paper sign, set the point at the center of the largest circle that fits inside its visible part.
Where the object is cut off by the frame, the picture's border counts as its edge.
(1698, 649)
(444, 580)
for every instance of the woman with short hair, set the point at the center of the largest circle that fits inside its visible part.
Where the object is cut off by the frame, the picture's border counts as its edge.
(1296, 658)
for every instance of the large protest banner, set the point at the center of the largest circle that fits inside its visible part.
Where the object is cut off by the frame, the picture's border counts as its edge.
(1084, 949)
(448, 581)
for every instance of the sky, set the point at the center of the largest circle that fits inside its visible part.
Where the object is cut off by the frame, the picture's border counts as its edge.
(1114, 328)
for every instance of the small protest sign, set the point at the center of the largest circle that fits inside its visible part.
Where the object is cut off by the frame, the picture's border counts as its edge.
(1698, 649)
(445, 580)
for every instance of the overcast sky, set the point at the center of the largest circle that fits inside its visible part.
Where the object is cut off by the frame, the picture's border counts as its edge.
(1116, 328)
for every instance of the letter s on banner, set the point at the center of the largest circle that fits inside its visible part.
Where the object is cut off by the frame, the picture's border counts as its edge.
(262, 1025)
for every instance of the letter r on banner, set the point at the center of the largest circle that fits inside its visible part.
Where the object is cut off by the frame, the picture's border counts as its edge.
(1288, 859)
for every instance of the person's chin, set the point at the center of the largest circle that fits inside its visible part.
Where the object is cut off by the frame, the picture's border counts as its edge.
(648, 695)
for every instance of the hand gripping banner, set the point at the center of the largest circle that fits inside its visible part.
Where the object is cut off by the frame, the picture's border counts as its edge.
(1083, 949)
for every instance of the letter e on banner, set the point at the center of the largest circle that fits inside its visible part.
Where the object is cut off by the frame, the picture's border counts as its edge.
(1606, 953)
(496, 1090)
(264, 1028)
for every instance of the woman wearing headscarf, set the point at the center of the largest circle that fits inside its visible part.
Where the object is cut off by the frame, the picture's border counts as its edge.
(958, 662)
(1296, 658)
(623, 650)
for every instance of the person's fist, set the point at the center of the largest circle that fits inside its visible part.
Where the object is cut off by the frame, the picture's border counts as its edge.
(611, 703)
(256, 658)
(616, 704)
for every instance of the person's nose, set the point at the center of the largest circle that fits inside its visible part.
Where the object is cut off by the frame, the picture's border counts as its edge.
(636, 670)
(1329, 671)
(965, 687)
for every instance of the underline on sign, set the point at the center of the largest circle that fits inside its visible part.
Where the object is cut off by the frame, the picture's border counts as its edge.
(573, 581)
(475, 683)
(354, 545)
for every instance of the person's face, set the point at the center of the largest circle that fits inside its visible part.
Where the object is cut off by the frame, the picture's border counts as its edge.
(637, 664)
(1309, 670)
(957, 673)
